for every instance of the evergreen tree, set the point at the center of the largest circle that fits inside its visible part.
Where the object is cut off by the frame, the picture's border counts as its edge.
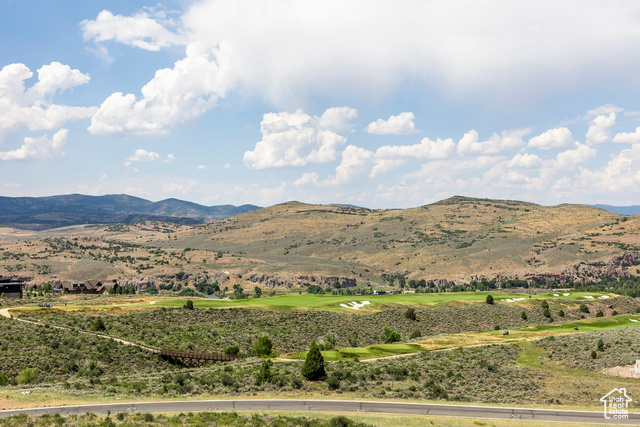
(313, 368)
(489, 299)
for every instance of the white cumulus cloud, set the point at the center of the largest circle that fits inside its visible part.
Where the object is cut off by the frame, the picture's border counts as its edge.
(600, 129)
(506, 140)
(38, 148)
(296, 139)
(33, 108)
(141, 155)
(402, 124)
(173, 97)
(570, 159)
(628, 137)
(354, 165)
(143, 29)
(553, 139)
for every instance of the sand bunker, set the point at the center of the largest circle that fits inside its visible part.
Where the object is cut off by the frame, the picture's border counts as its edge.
(634, 320)
(588, 296)
(603, 297)
(566, 294)
(354, 305)
(512, 299)
(556, 295)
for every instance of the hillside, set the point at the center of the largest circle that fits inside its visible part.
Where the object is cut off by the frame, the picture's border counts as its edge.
(40, 213)
(287, 244)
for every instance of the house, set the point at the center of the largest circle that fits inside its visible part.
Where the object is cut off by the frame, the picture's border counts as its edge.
(90, 286)
(11, 288)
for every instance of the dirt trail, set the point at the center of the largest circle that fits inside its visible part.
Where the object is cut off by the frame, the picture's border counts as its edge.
(5, 313)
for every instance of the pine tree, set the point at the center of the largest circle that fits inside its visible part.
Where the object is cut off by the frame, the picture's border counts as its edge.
(313, 368)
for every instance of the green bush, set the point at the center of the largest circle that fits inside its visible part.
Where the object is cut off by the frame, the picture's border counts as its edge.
(489, 299)
(333, 383)
(313, 368)
(188, 305)
(232, 349)
(27, 376)
(614, 313)
(544, 304)
(415, 334)
(98, 325)
(389, 336)
(600, 345)
(264, 374)
(561, 313)
(546, 313)
(262, 347)
(496, 328)
(3, 379)
(410, 314)
(523, 315)
(599, 313)
(584, 308)
(593, 354)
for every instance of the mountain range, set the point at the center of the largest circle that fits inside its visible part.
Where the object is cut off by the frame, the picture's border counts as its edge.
(41, 213)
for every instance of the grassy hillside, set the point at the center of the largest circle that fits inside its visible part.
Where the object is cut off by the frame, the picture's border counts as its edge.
(457, 238)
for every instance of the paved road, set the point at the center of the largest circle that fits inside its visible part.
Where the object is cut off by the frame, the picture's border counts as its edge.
(333, 405)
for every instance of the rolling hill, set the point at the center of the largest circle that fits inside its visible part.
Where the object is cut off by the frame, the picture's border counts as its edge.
(292, 243)
(40, 213)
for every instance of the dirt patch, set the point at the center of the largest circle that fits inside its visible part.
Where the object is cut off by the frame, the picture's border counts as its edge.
(628, 371)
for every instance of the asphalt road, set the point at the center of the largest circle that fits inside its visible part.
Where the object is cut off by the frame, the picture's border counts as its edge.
(335, 406)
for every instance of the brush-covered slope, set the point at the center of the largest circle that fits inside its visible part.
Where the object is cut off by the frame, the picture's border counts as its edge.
(457, 237)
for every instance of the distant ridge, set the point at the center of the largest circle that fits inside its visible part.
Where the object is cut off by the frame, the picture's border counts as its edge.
(40, 213)
(621, 210)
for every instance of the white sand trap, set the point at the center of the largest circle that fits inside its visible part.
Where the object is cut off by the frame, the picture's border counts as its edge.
(556, 295)
(512, 299)
(588, 296)
(566, 294)
(354, 305)
(634, 320)
(603, 297)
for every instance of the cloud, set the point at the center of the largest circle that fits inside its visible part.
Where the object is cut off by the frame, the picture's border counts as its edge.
(628, 137)
(141, 155)
(354, 165)
(570, 159)
(600, 129)
(201, 167)
(402, 124)
(296, 139)
(173, 97)
(525, 161)
(170, 158)
(390, 157)
(178, 188)
(144, 29)
(227, 166)
(32, 108)
(507, 140)
(603, 110)
(553, 139)
(621, 175)
(38, 148)
(308, 178)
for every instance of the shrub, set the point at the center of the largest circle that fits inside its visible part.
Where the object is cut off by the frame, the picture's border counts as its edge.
(333, 383)
(3, 379)
(340, 421)
(151, 289)
(262, 347)
(296, 383)
(599, 313)
(561, 313)
(188, 305)
(489, 299)
(264, 374)
(352, 338)
(415, 334)
(584, 308)
(614, 313)
(593, 354)
(187, 292)
(496, 328)
(600, 345)
(389, 335)
(98, 325)
(523, 315)
(313, 368)
(27, 376)
(544, 304)
(232, 349)
(410, 314)
(638, 310)
(546, 313)
(314, 289)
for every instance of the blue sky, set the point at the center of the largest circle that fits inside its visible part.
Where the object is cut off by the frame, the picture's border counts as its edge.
(375, 103)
